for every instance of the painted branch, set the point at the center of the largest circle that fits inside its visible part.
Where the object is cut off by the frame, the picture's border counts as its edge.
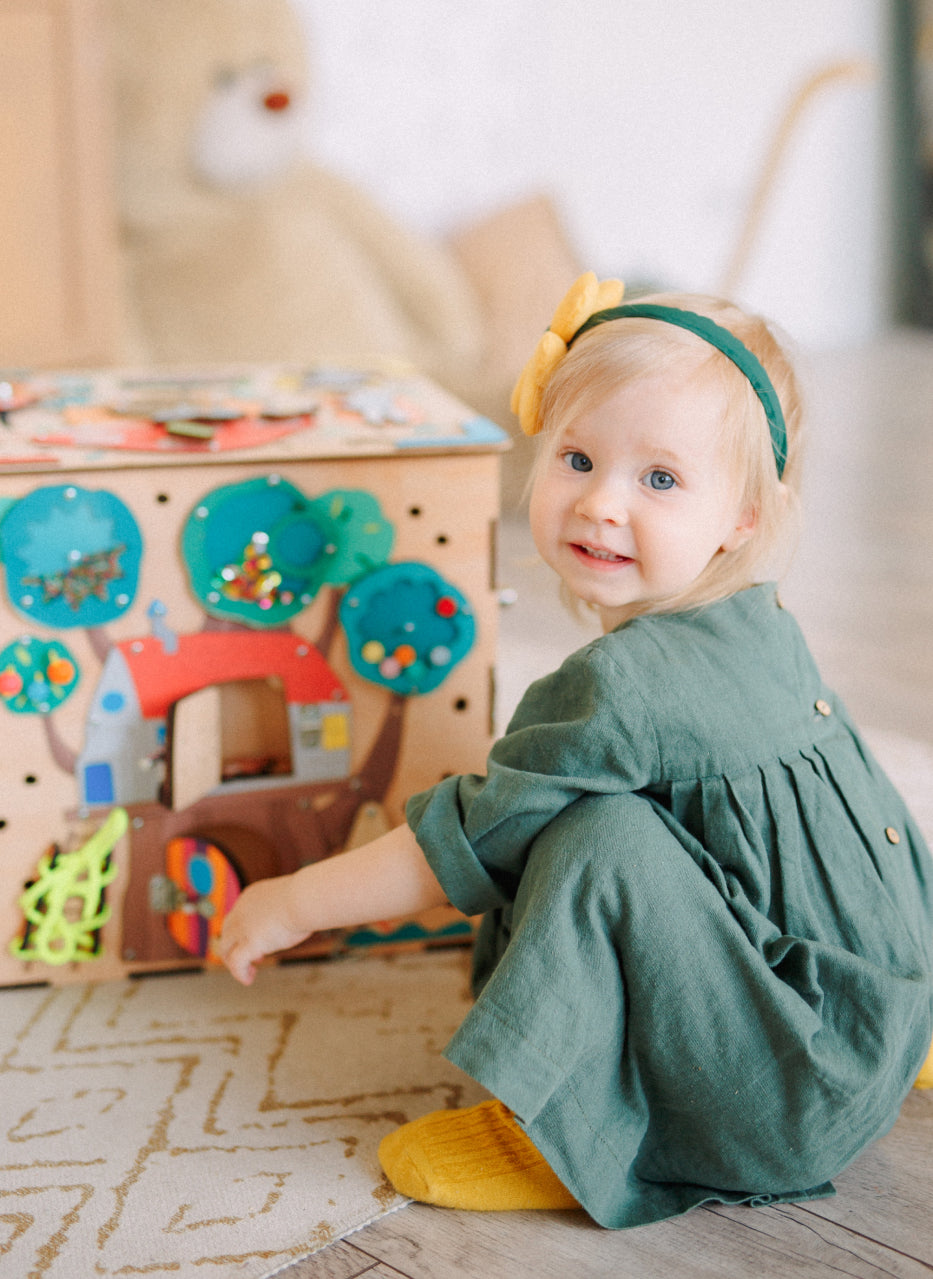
(64, 756)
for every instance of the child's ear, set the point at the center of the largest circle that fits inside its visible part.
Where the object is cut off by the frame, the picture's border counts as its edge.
(744, 528)
(748, 522)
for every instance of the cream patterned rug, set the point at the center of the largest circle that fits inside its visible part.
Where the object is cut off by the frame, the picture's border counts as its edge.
(184, 1126)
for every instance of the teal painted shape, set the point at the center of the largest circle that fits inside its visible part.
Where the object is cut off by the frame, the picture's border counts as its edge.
(476, 430)
(410, 932)
(5, 504)
(407, 627)
(36, 676)
(71, 556)
(215, 546)
(361, 537)
(303, 542)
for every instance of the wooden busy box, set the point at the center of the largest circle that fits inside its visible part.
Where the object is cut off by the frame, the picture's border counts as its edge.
(245, 614)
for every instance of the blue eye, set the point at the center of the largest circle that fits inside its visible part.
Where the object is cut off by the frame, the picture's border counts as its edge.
(579, 461)
(660, 481)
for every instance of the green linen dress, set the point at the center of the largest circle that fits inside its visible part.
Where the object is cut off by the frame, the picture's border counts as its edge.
(704, 970)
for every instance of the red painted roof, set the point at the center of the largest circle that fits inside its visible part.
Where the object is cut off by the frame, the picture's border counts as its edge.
(214, 657)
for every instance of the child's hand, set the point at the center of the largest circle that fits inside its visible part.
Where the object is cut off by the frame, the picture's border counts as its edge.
(260, 923)
(380, 880)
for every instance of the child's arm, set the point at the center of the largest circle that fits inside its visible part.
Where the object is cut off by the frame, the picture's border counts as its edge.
(379, 880)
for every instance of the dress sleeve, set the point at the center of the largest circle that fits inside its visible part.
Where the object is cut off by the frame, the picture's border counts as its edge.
(584, 729)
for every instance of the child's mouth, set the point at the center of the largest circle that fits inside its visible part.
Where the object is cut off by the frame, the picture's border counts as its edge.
(599, 553)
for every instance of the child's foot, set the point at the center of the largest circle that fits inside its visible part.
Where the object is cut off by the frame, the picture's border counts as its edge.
(478, 1159)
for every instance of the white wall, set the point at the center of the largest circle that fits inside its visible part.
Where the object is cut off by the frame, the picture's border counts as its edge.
(648, 123)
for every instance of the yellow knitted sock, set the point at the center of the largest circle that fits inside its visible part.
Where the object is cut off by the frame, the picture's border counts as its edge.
(478, 1159)
(925, 1078)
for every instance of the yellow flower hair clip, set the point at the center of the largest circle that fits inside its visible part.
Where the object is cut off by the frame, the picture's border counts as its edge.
(584, 298)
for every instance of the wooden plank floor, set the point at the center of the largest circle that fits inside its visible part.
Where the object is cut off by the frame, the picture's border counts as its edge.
(862, 587)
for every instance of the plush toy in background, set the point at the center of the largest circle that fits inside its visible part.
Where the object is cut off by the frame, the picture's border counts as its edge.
(237, 246)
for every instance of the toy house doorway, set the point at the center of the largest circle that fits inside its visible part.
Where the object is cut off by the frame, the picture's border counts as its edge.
(226, 733)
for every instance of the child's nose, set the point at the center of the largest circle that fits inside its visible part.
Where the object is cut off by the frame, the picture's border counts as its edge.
(603, 502)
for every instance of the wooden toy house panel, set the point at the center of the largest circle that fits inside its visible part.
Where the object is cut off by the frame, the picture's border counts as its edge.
(138, 689)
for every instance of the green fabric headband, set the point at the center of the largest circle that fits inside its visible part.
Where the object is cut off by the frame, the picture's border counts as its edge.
(724, 341)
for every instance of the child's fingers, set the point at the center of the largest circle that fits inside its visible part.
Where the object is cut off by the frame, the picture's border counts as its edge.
(238, 961)
(257, 926)
(236, 955)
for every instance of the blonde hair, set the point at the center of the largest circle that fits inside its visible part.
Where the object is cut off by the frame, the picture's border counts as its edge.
(628, 349)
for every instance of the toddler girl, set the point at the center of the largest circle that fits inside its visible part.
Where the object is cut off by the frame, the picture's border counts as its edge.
(704, 968)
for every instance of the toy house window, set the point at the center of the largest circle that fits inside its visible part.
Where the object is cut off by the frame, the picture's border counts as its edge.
(226, 733)
(322, 729)
(254, 728)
